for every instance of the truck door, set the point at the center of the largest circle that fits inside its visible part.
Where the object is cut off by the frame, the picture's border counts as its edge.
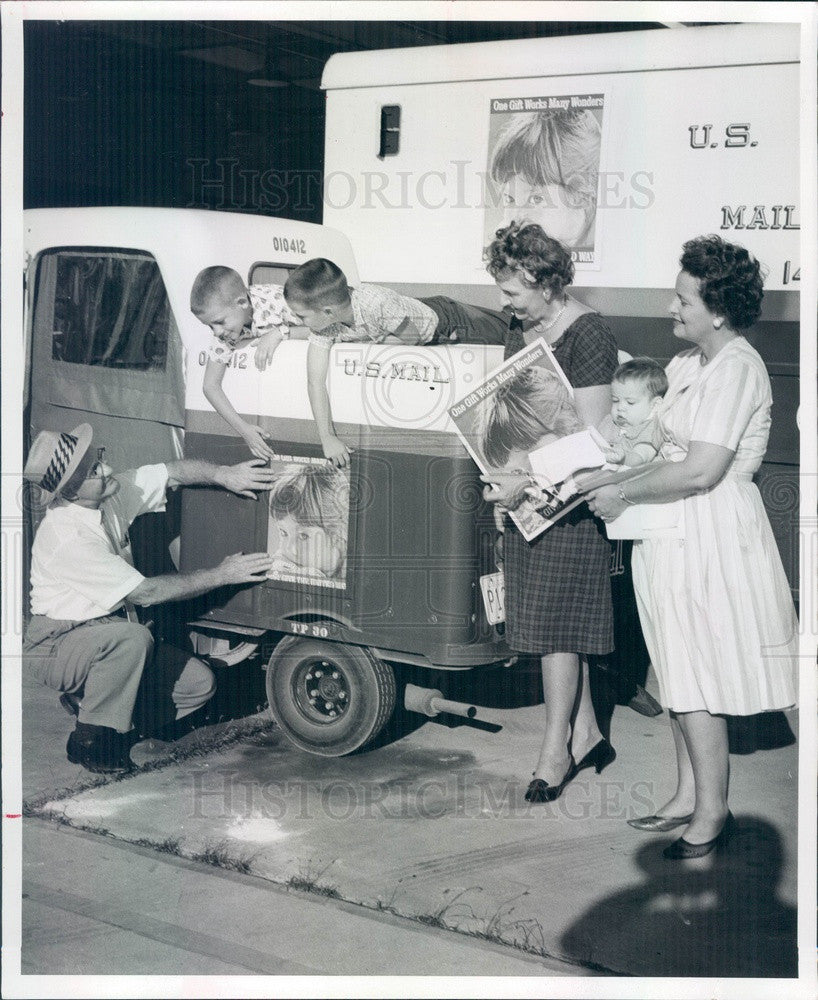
(105, 350)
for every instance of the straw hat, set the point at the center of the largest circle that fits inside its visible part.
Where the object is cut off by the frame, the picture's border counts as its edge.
(55, 456)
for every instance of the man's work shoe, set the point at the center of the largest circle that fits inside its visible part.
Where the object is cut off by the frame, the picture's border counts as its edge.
(99, 749)
(644, 703)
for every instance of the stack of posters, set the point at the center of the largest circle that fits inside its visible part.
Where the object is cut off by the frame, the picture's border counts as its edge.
(521, 422)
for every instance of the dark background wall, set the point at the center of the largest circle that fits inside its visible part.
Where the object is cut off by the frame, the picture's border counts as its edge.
(162, 113)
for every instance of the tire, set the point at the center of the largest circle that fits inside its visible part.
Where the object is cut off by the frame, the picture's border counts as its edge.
(329, 698)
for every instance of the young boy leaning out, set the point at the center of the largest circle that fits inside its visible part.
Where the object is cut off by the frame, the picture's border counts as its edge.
(318, 294)
(239, 317)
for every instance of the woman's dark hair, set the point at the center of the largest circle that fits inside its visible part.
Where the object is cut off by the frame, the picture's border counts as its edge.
(730, 279)
(527, 248)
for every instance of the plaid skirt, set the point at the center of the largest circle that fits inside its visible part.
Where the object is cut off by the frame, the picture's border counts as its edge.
(558, 588)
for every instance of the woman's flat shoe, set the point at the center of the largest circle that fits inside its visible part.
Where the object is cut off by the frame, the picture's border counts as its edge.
(540, 791)
(644, 703)
(659, 824)
(598, 757)
(681, 849)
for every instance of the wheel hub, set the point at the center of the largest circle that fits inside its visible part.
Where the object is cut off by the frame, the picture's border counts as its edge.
(322, 690)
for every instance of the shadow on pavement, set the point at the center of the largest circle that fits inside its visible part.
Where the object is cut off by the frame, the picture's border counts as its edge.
(516, 686)
(765, 731)
(718, 916)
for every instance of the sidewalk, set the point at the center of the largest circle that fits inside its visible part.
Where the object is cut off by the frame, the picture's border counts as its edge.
(432, 827)
(123, 910)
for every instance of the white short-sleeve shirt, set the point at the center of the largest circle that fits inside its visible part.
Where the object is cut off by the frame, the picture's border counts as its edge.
(726, 402)
(81, 566)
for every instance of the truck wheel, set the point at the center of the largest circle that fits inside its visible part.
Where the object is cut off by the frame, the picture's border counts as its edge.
(329, 698)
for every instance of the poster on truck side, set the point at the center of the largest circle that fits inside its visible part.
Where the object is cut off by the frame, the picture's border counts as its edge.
(308, 524)
(521, 423)
(543, 167)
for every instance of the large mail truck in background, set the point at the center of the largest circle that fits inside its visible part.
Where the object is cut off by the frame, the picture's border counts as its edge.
(698, 132)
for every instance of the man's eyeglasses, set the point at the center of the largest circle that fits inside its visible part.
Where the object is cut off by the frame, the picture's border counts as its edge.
(96, 469)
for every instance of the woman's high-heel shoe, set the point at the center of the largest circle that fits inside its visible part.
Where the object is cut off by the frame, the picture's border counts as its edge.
(540, 791)
(598, 757)
(681, 849)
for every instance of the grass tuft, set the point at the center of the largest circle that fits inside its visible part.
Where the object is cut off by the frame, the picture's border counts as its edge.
(308, 879)
(170, 845)
(219, 856)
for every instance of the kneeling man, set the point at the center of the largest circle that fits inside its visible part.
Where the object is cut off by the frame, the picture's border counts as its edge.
(83, 635)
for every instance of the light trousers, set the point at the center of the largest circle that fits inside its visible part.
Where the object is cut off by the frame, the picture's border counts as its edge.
(106, 659)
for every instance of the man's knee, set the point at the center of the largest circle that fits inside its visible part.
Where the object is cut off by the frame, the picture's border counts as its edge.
(199, 678)
(195, 686)
(133, 636)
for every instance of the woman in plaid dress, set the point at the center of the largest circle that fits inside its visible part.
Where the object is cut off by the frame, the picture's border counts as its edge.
(558, 600)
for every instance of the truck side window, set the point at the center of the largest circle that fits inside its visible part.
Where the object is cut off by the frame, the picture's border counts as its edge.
(110, 310)
(268, 274)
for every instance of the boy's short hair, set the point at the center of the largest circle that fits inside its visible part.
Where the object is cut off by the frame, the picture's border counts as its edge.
(217, 282)
(645, 371)
(317, 282)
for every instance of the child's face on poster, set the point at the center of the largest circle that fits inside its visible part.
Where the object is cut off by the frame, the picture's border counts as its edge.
(551, 206)
(309, 547)
(518, 458)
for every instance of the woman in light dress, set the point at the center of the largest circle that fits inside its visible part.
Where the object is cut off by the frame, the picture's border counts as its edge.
(715, 606)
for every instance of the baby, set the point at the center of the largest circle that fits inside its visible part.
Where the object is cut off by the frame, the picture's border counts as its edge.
(632, 430)
(240, 317)
(310, 507)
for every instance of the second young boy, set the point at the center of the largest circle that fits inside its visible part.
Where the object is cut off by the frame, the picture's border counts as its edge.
(318, 294)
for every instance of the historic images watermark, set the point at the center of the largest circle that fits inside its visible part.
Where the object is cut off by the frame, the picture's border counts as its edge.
(224, 184)
(229, 795)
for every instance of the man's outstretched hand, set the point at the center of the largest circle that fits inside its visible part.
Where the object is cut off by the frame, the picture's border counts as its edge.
(247, 478)
(244, 567)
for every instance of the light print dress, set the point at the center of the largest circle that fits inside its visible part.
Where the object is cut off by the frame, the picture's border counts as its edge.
(715, 606)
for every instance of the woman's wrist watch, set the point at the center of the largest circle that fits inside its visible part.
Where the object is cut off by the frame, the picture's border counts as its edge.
(624, 499)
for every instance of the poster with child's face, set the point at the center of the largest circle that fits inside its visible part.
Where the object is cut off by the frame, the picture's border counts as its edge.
(308, 523)
(544, 155)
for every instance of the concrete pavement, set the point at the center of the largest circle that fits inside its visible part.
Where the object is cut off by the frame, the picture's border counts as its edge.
(117, 909)
(433, 827)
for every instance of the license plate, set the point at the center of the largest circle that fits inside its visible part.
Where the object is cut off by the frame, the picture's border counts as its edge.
(493, 589)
